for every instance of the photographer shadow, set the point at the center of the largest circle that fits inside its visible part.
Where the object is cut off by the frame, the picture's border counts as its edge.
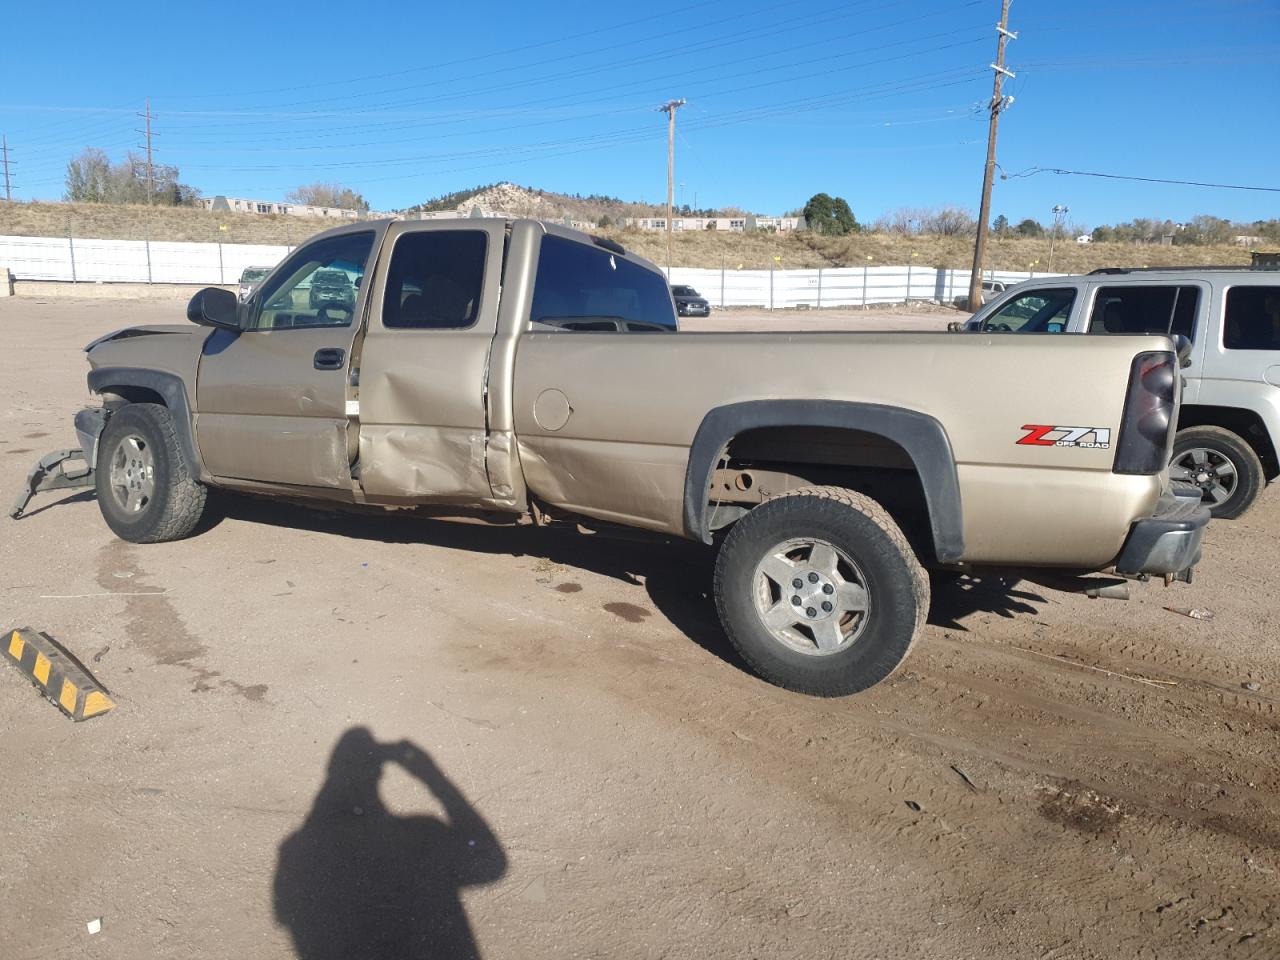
(357, 882)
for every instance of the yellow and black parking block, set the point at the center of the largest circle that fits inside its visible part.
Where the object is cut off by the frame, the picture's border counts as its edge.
(61, 677)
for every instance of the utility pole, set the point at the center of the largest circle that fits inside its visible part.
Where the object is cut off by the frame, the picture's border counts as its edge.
(151, 189)
(4, 152)
(998, 105)
(1060, 212)
(670, 108)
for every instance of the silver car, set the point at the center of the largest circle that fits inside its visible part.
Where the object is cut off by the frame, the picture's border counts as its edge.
(1229, 423)
(250, 277)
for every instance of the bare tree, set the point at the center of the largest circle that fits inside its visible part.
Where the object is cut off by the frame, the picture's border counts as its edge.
(328, 195)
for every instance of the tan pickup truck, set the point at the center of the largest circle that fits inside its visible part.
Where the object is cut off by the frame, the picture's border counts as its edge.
(521, 367)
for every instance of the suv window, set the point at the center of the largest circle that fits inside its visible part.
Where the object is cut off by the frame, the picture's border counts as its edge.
(1036, 311)
(1145, 309)
(317, 285)
(1252, 319)
(581, 287)
(435, 280)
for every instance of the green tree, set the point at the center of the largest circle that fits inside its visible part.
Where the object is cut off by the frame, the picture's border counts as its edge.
(1029, 228)
(829, 215)
(1000, 225)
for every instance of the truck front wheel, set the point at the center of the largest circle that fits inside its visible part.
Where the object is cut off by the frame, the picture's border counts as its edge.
(146, 490)
(820, 592)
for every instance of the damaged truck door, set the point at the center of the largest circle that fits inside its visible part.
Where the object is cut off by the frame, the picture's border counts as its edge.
(271, 398)
(423, 363)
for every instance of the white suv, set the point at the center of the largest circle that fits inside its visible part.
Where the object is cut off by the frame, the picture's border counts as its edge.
(1229, 424)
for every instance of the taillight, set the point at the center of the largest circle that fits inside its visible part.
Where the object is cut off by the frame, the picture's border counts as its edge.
(1146, 430)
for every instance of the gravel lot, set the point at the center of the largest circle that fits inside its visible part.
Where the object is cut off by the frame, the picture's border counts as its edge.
(347, 736)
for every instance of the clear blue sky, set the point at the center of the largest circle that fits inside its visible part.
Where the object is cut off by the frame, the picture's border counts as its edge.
(879, 102)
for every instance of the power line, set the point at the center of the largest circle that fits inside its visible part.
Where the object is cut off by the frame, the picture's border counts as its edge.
(670, 108)
(4, 153)
(998, 105)
(147, 116)
(1032, 171)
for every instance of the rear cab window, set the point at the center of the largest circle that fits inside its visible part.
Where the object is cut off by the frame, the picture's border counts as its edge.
(1252, 318)
(584, 288)
(1045, 310)
(1145, 308)
(435, 280)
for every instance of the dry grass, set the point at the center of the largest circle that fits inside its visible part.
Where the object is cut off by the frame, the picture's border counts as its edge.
(701, 249)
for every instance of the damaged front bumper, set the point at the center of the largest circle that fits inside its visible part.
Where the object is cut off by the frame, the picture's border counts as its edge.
(65, 469)
(1168, 542)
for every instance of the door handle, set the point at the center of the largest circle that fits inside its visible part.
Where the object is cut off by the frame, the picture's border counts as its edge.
(329, 358)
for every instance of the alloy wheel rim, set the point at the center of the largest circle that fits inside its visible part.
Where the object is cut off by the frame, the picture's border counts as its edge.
(131, 476)
(811, 597)
(1213, 473)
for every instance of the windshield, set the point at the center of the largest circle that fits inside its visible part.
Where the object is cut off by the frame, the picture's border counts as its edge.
(1036, 311)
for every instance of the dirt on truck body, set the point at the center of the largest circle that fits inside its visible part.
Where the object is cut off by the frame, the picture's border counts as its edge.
(524, 368)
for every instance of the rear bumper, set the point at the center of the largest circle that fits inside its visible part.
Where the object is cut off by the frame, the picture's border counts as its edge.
(1167, 542)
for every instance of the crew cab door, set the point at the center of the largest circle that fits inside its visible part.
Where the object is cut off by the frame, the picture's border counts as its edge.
(423, 363)
(271, 398)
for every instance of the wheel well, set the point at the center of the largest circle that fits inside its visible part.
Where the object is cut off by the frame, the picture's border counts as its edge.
(1244, 423)
(766, 461)
(132, 394)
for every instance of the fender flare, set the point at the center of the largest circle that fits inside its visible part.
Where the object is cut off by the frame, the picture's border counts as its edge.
(920, 435)
(171, 389)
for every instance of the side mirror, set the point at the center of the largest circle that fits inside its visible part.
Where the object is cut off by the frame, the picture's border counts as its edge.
(1183, 346)
(215, 307)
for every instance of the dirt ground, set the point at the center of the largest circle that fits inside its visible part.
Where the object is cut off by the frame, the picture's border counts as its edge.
(377, 737)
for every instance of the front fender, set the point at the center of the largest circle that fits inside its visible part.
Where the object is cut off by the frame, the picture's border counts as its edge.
(129, 382)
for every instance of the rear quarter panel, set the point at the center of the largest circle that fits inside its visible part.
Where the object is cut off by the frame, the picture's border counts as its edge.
(636, 401)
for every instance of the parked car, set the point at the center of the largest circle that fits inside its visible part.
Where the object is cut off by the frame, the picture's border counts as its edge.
(250, 277)
(332, 288)
(1229, 423)
(689, 302)
(828, 469)
(990, 290)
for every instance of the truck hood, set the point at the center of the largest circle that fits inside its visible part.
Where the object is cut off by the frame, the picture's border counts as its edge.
(155, 330)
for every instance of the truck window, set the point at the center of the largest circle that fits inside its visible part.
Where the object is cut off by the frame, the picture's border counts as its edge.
(1036, 311)
(1145, 309)
(581, 287)
(1252, 319)
(317, 286)
(435, 280)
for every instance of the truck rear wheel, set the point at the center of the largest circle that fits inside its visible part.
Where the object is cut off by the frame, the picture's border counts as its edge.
(1222, 464)
(820, 592)
(146, 490)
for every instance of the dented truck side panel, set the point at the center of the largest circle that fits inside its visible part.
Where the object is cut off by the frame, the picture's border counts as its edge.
(422, 392)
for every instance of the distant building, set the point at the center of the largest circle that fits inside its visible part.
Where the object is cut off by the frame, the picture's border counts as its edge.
(731, 224)
(1246, 241)
(1084, 238)
(223, 204)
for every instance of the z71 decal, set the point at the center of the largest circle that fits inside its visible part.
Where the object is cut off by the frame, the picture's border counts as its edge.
(1040, 435)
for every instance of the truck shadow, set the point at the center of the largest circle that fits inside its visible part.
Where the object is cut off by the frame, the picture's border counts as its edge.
(676, 574)
(356, 880)
(955, 598)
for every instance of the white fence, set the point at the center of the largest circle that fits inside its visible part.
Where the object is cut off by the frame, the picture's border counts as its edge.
(132, 261)
(835, 286)
(153, 261)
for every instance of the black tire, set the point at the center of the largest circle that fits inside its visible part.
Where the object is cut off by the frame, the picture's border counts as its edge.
(1241, 489)
(856, 526)
(146, 489)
